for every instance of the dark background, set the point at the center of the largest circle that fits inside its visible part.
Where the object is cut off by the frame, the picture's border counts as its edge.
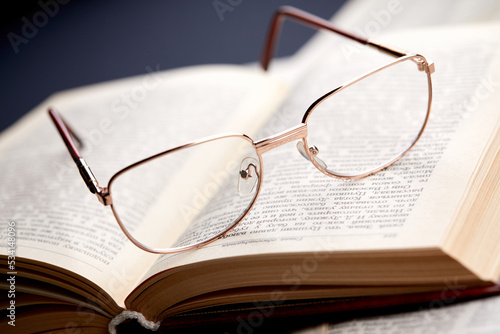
(52, 45)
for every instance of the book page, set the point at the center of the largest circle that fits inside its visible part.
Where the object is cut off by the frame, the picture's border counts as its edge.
(478, 316)
(57, 220)
(299, 206)
(376, 16)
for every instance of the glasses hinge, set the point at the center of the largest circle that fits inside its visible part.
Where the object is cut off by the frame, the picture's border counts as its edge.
(429, 67)
(104, 196)
(87, 175)
(424, 66)
(102, 193)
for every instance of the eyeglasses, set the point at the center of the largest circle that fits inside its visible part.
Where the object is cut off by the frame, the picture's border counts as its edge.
(191, 195)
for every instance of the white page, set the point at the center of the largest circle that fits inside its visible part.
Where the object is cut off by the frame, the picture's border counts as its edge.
(299, 206)
(439, 316)
(57, 220)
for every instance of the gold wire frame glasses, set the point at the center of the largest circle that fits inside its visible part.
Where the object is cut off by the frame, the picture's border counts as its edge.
(341, 139)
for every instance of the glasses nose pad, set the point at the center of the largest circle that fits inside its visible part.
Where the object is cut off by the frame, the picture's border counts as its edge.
(248, 176)
(302, 150)
(314, 151)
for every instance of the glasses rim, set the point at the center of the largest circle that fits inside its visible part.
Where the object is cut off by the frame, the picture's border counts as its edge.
(298, 132)
(191, 144)
(419, 60)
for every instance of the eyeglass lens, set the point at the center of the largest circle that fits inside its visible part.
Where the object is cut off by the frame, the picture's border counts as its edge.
(371, 122)
(189, 196)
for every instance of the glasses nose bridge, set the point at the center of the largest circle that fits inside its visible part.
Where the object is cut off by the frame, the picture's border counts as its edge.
(296, 133)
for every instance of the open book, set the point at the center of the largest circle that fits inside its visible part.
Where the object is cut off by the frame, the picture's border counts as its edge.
(427, 223)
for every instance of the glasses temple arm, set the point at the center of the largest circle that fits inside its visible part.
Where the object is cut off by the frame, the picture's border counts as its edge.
(69, 137)
(315, 22)
(72, 143)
